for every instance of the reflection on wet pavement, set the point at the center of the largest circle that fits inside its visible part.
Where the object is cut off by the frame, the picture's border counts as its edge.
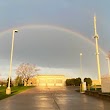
(53, 98)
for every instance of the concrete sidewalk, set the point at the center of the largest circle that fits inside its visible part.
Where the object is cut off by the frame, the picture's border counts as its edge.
(61, 98)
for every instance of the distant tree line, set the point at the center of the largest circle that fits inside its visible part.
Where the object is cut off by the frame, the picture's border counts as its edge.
(73, 82)
(77, 81)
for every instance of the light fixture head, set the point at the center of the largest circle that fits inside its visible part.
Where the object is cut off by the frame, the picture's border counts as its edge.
(15, 30)
(80, 54)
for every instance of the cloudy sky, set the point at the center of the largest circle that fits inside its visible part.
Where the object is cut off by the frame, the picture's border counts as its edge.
(52, 34)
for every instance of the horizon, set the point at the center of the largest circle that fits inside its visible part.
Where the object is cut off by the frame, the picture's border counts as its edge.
(53, 38)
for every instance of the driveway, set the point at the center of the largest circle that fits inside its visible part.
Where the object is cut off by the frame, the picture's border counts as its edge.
(53, 98)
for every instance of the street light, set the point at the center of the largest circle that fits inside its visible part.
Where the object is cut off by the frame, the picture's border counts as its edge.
(81, 85)
(81, 66)
(108, 61)
(96, 37)
(8, 90)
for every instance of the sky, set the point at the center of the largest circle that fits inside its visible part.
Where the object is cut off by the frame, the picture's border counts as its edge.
(52, 34)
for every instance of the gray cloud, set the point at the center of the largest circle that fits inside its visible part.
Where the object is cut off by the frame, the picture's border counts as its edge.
(51, 48)
(48, 47)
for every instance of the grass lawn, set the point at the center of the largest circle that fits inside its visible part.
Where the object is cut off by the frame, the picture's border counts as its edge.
(15, 90)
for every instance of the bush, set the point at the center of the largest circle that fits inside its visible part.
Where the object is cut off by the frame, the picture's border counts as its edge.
(88, 81)
(77, 81)
(73, 82)
(68, 82)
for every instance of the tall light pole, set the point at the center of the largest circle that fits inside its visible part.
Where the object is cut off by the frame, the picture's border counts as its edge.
(8, 90)
(108, 61)
(81, 66)
(96, 37)
(82, 85)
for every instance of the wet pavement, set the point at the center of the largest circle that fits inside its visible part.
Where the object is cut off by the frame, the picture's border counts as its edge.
(49, 98)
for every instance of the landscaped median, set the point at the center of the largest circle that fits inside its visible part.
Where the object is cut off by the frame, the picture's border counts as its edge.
(15, 90)
(98, 94)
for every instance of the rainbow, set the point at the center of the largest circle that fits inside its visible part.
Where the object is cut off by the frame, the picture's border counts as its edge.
(53, 27)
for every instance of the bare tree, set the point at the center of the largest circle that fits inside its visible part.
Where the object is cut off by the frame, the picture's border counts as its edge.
(26, 71)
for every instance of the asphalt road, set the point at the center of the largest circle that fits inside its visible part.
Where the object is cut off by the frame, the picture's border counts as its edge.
(49, 98)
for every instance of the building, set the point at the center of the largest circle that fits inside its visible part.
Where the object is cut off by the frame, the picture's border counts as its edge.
(95, 82)
(47, 80)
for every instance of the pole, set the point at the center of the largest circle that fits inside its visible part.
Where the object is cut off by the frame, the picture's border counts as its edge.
(97, 50)
(81, 66)
(11, 58)
(109, 65)
(81, 85)
(8, 90)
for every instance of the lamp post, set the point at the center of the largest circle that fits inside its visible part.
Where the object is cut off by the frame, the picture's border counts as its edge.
(8, 90)
(81, 66)
(81, 85)
(108, 61)
(96, 37)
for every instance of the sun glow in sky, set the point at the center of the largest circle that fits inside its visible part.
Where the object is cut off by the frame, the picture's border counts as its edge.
(54, 50)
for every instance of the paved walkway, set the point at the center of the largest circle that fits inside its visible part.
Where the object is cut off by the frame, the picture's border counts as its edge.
(53, 99)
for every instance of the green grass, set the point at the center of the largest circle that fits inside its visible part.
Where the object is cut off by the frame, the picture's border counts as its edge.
(97, 89)
(15, 90)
